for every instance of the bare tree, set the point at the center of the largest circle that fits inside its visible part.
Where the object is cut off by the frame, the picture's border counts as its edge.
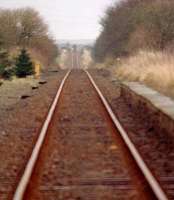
(133, 24)
(26, 28)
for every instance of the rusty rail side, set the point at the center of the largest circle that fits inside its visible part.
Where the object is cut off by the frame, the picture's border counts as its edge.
(153, 183)
(21, 188)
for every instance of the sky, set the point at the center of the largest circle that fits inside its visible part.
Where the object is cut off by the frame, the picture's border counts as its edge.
(67, 19)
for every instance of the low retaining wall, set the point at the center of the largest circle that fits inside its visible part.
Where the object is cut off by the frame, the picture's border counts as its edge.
(158, 108)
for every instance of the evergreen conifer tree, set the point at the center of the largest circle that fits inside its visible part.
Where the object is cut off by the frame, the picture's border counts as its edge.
(24, 66)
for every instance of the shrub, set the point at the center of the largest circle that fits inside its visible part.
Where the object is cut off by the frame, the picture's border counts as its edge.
(5, 70)
(8, 73)
(2, 68)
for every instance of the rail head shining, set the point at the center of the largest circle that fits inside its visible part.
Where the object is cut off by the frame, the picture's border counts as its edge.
(153, 183)
(21, 188)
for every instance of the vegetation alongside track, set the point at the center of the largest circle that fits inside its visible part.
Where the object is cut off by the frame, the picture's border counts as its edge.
(137, 42)
(24, 28)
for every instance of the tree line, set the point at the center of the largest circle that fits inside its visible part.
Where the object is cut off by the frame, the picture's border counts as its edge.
(24, 29)
(131, 25)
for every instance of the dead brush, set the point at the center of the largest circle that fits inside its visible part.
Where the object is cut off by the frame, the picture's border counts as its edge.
(155, 69)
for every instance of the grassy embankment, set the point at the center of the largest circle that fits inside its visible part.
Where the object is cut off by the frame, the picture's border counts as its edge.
(155, 69)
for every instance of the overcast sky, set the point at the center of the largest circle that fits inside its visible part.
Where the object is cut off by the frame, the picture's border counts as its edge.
(68, 19)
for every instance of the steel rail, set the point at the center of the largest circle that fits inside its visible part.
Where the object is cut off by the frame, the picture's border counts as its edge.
(77, 61)
(24, 181)
(72, 60)
(153, 183)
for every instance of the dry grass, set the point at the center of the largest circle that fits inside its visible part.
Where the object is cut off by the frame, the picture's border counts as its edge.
(86, 58)
(155, 69)
(109, 64)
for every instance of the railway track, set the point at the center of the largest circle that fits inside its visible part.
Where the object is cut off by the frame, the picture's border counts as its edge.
(83, 152)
